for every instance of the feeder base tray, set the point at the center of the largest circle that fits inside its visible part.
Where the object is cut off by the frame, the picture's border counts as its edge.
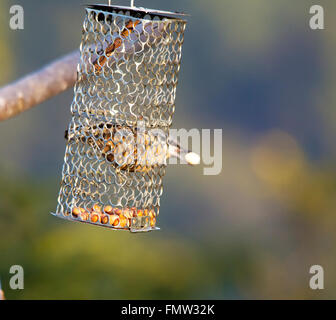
(132, 230)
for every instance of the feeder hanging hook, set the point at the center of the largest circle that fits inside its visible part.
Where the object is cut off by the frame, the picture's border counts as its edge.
(132, 3)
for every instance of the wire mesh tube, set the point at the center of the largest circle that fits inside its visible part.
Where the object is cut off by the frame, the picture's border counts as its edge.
(117, 140)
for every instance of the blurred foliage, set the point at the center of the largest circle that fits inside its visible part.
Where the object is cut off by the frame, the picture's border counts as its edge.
(253, 68)
(64, 260)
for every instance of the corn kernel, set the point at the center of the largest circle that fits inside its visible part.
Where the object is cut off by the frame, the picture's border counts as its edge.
(76, 212)
(104, 219)
(94, 217)
(108, 209)
(114, 220)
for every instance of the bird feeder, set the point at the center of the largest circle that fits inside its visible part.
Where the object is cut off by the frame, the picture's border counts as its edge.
(124, 101)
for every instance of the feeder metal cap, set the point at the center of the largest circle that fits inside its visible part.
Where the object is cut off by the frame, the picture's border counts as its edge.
(136, 11)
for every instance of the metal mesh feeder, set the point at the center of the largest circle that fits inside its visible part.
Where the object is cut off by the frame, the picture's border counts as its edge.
(117, 140)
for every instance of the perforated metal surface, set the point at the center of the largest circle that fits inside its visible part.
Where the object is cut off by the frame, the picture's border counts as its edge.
(121, 113)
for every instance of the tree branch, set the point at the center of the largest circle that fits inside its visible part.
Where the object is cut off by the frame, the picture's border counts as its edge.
(39, 86)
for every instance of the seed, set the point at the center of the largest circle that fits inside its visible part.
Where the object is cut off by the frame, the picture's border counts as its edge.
(106, 149)
(110, 147)
(90, 141)
(94, 217)
(106, 134)
(104, 219)
(152, 222)
(152, 213)
(97, 208)
(123, 221)
(84, 216)
(110, 157)
(96, 134)
(108, 209)
(117, 211)
(114, 221)
(134, 212)
(140, 213)
(76, 212)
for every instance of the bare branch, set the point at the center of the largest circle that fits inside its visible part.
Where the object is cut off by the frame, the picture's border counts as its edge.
(39, 86)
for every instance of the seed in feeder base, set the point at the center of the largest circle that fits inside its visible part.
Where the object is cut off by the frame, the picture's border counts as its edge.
(84, 216)
(117, 211)
(94, 217)
(152, 213)
(76, 212)
(108, 210)
(153, 222)
(114, 221)
(134, 212)
(140, 213)
(123, 221)
(97, 208)
(104, 219)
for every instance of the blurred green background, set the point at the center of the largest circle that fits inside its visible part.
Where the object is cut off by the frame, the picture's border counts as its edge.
(254, 69)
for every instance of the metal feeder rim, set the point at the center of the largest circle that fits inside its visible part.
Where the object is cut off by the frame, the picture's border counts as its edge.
(138, 12)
